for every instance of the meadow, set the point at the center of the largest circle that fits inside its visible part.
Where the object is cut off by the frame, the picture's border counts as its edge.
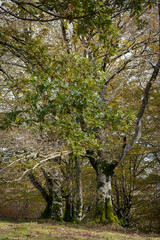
(42, 230)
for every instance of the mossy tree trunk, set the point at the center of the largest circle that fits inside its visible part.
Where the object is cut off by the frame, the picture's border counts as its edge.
(70, 207)
(57, 204)
(51, 193)
(79, 196)
(104, 209)
(48, 210)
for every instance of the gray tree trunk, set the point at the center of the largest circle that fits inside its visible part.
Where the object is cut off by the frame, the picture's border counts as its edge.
(104, 210)
(79, 195)
(104, 171)
(79, 204)
(57, 205)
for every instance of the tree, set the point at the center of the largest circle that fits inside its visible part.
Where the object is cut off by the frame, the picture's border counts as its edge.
(65, 90)
(127, 184)
(146, 210)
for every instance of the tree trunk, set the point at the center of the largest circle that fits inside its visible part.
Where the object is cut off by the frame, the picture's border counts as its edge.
(104, 171)
(52, 195)
(104, 210)
(57, 205)
(47, 211)
(48, 197)
(69, 213)
(79, 196)
(69, 209)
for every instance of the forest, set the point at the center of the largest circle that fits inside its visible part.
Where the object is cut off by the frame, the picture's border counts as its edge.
(79, 112)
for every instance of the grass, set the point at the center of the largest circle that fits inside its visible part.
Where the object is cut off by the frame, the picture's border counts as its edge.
(42, 230)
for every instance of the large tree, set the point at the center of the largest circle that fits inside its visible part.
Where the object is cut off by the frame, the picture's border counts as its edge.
(72, 81)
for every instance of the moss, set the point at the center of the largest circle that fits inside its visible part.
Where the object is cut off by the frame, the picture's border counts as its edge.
(57, 209)
(109, 213)
(104, 213)
(107, 168)
(78, 213)
(100, 213)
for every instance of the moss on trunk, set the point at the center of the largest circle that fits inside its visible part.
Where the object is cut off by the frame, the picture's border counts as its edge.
(57, 209)
(110, 218)
(78, 213)
(104, 213)
(79, 197)
(100, 213)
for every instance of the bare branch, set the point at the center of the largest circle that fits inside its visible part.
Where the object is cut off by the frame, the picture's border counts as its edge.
(27, 19)
(118, 71)
(144, 102)
(140, 114)
(53, 156)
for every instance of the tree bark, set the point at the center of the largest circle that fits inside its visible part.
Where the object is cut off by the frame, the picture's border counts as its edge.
(53, 195)
(104, 211)
(47, 211)
(79, 196)
(57, 205)
(48, 197)
(69, 209)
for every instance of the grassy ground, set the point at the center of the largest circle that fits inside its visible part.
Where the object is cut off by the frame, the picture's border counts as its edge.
(11, 230)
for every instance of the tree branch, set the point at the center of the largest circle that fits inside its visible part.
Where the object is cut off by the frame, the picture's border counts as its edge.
(144, 103)
(38, 185)
(140, 114)
(53, 156)
(118, 71)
